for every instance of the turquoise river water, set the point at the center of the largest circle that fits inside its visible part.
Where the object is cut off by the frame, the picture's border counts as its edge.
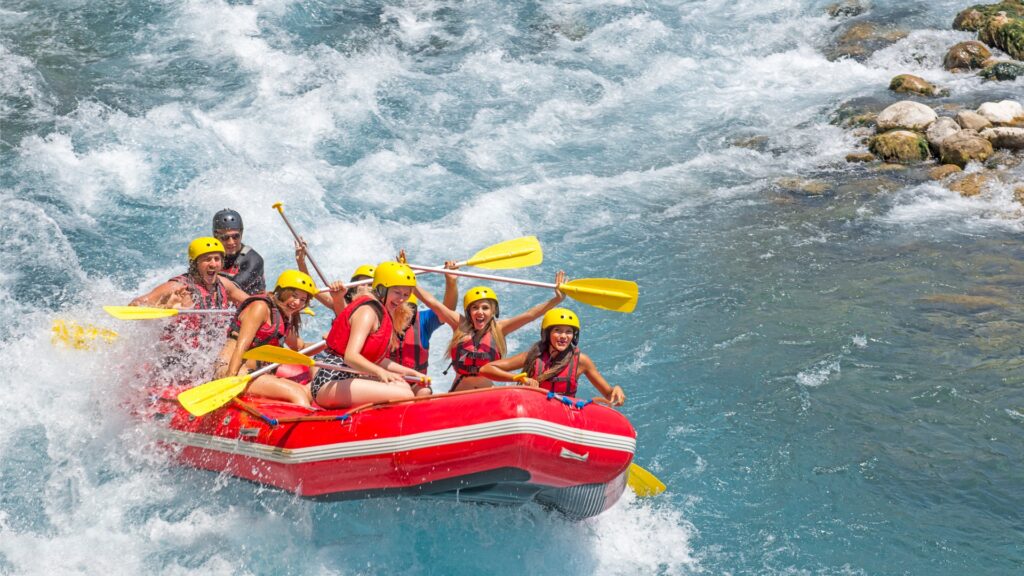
(828, 384)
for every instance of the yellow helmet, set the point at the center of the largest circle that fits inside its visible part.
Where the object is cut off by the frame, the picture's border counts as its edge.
(413, 300)
(391, 274)
(479, 293)
(203, 245)
(297, 280)
(364, 270)
(559, 317)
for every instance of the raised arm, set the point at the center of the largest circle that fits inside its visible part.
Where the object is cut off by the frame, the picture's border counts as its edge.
(446, 314)
(338, 297)
(514, 323)
(451, 287)
(300, 262)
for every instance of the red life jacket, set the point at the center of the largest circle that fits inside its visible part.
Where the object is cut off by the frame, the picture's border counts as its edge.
(377, 343)
(564, 382)
(270, 332)
(470, 355)
(193, 324)
(410, 353)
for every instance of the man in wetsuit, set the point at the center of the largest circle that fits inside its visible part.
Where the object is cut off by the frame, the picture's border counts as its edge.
(241, 263)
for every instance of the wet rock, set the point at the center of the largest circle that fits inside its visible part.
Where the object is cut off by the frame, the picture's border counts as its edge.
(759, 143)
(906, 114)
(1005, 137)
(969, 20)
(967, 55)
(970, 120)
(1002, 71)
(940, 172)
(913, 84)
(861, 39)
(1003, 160)
(861, 111)
(1007, 112)
(860, 157)
(876, 185)
(971, 184)
(890, 167)
(900, 146)
(846, 9)
(940, 130)
(963, 147)
(1018, 194)
(802, 186)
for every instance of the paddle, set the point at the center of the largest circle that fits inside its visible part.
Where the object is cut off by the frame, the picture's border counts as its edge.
(606, 293)
(516, 253)
(279, 206)
(74, 335)
(146, 313)
(280, 355)
(211, 395)
(643, 482)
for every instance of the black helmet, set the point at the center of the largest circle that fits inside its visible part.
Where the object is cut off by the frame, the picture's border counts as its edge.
(227, 219)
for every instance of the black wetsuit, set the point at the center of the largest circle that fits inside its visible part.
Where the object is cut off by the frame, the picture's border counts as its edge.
(246, 269)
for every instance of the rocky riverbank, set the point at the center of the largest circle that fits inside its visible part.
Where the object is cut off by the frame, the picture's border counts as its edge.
(986, 140)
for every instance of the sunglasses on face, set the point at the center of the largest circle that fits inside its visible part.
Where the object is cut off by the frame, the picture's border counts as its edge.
(226, 237)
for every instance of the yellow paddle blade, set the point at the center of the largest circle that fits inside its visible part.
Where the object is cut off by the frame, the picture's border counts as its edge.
(73, 335)
(308, 311)
(278, 355)
(516, 253)
(208, 397)
(643, 482)
(606, 293)
(139, 312)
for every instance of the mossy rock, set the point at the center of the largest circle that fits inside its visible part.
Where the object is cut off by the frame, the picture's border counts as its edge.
(1003, 71)
(973, 19)
(899, 146)
(1010, 38)
(968, 55)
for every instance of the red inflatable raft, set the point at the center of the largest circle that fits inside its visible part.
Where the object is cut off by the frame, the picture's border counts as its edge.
(504, 445)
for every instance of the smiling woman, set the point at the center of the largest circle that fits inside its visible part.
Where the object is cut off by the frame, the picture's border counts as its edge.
(267, 319)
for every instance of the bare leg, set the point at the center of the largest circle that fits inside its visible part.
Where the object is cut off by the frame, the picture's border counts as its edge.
(270, 386)
(353, 391)
(422, 390)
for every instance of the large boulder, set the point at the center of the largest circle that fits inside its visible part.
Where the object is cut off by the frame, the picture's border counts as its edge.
(906, 114)
(900, 146)
(1003, 71)
(1002, 113)
(963, 147)
(940, 130)
(971, 120)
(912, 84)
(969, 55)
(1000, 25)
(1005, 137)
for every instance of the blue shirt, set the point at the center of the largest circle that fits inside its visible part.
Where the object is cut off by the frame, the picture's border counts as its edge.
(429, 322)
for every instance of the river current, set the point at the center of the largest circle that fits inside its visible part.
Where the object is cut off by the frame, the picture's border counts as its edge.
(828, 383)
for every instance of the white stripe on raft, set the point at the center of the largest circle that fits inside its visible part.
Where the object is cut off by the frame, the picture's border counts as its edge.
(355, 448)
